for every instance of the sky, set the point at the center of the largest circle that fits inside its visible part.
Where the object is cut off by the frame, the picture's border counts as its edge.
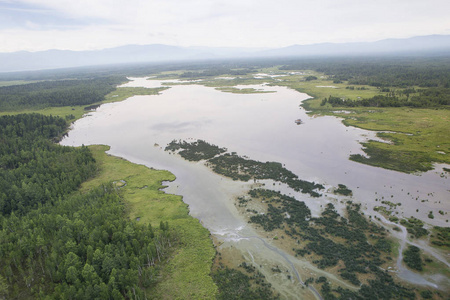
(36, 25)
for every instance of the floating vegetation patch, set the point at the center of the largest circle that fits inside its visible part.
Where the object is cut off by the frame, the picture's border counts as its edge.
(195, 151)
(239, 168)
(343, 190)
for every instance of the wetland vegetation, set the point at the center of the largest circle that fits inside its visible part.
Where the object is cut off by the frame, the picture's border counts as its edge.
(195, 151)
(351, 245)
(241, 168)
(248, 284)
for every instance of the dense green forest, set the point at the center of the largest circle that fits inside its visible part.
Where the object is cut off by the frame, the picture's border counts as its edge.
(34, 170)
(59, 244)
(57, 93)
(399, 72)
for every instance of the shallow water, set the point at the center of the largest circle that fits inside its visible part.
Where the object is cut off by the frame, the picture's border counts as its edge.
(262, 127)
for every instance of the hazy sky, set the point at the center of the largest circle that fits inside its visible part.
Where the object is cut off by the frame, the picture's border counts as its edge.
(95, 24)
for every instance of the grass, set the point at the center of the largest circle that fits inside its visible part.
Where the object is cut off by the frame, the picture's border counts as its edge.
(123, 93)
(63, 111)
(16, 82)
(323, 88)
(186, 275)
(420, 137)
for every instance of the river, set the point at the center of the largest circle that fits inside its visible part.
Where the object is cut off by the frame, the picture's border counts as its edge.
(261, 126)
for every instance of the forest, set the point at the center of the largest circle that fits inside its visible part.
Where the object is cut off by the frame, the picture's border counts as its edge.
(401, 72)
(426, 98)
(59, 244)
(57, 93)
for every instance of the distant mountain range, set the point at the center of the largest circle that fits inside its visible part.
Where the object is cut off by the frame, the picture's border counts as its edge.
(52, 59)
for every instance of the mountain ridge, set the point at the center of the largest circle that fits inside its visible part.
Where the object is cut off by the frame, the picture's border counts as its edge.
(53, 59)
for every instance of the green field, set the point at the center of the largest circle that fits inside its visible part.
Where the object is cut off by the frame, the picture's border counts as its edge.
(15, 82)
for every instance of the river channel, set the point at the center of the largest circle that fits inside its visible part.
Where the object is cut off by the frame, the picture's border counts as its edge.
(261, 126)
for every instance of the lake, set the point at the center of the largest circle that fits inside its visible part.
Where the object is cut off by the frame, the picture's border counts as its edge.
(261, 126)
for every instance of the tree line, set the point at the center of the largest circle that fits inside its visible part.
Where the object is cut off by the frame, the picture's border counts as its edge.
(380, 71)
(57, 93)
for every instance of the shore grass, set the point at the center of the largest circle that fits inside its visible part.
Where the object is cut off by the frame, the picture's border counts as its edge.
(122, 93)
(186, 275)
(63, 111)
(323, 88)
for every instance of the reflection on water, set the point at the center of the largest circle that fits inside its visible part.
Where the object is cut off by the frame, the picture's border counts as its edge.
(261, 126)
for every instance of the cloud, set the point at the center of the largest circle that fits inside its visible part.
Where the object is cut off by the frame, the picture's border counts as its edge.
(87, 24)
